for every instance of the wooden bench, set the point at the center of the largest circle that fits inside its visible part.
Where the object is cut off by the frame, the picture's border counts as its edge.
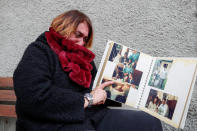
(7, 97)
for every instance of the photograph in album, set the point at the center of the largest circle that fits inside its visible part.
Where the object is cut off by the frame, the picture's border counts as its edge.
(123, 62)
(117, 91)
(161, 103)
(159, 74)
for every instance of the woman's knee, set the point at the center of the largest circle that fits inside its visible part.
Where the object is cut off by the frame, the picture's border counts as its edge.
(130, 119)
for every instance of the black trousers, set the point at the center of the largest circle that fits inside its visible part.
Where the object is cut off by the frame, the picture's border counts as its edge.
(129, 120)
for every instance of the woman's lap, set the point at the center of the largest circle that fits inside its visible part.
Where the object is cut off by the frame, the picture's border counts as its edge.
(129, 120)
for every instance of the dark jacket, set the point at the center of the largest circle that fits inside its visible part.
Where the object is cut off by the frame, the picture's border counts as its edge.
(47, 99)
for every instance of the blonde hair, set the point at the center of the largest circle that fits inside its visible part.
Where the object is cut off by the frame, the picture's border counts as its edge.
(66, 23)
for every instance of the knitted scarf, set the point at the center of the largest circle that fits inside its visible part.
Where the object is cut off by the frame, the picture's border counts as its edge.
(74, 59)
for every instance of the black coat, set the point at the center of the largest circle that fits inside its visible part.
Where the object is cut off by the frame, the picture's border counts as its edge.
(47, 99)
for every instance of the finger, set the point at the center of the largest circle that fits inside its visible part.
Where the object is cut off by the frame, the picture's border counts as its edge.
(101, 102)
(103, 85)
(105, 97)
(104, 101)
(105, 94)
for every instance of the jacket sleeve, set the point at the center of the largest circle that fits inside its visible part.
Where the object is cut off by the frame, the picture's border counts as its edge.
(37, 96)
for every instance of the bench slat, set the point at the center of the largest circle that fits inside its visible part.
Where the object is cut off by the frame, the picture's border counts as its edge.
(7, 111)
(6, 82)
(7, 95)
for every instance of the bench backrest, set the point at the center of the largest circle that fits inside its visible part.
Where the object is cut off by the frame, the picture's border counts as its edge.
(7, 97)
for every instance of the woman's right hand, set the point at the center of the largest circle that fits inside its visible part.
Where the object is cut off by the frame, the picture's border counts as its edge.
(99, 94)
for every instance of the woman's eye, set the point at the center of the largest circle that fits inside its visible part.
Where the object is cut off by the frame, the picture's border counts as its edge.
(78, 34)
(86, 39)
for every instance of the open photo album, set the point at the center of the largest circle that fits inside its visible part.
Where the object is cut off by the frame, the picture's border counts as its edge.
(160, 86)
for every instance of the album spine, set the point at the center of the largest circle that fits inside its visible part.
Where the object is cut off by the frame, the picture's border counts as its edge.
(101, 66)
(144, 85)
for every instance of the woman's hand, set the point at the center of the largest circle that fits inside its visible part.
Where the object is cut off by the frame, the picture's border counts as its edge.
(99, 94)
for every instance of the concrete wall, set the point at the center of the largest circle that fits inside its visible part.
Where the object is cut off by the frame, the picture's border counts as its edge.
(155, 27)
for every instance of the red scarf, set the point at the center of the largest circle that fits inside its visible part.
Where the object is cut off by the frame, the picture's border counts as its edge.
(73, 58)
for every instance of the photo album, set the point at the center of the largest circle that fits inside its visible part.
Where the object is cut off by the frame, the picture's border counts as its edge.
(160, 86)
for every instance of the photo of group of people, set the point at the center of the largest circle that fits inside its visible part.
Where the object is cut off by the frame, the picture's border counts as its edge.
(162, 103)
(126, 62)
(117, 91)
(159, 74)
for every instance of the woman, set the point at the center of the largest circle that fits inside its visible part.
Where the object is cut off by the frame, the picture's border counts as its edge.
(153, 105)
(53, 83)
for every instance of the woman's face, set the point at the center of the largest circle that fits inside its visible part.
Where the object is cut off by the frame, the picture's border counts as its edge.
(80, 37)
